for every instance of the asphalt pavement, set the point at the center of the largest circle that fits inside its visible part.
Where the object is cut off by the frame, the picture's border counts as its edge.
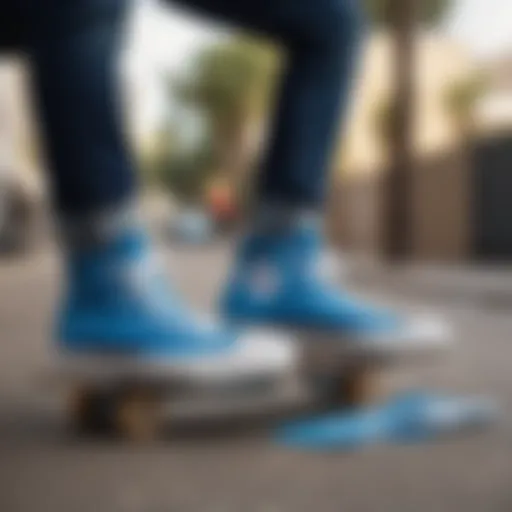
(43, 467)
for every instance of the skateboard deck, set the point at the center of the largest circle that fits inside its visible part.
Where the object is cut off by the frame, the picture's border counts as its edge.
(131, 399)
(352, 373)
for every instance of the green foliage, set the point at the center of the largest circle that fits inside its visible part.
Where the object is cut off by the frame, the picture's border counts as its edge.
(460, 97)
(183, 173)
(185, 176)
(163, 145)
(228, 84)
(229, 81)
(385, 117)
(429, 11)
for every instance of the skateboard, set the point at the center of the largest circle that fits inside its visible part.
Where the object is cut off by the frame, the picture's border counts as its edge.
(133, 400)
(349, 380)
(351, 373)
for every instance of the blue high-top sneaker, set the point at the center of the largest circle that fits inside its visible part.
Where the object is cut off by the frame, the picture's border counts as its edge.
(120, 314)
(277, 280)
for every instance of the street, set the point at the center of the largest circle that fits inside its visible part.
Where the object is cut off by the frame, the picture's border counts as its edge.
(44, 468)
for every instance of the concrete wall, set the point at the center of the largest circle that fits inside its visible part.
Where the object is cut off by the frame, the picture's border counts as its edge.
(440, 210)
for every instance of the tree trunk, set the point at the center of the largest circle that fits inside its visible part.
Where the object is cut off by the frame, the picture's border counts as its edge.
(234, 150)
(397, 186)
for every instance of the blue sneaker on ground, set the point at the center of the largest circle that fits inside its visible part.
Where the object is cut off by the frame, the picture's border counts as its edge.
(277, 280)
(413, 417)
(119, 312)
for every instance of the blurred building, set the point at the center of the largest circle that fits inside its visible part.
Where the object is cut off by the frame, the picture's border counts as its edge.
(448, 216)
(18, 147)
(449, 166)
(440, 63)
(494, 109)
(21, 187)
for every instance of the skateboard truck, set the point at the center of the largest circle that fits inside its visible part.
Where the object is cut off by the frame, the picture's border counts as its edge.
(132, 402)
(350, 374)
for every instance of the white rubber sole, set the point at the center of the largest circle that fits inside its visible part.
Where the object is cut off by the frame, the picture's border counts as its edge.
(424, 336)
(262, 354)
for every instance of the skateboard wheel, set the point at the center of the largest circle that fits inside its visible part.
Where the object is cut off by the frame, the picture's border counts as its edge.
(128, 414)
(136, 416)
(89, 411)
(357, 387)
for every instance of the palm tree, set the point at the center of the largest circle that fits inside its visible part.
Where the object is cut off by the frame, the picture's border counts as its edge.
(460, 98)
(428, 11)
(401, 17)
(230, 84)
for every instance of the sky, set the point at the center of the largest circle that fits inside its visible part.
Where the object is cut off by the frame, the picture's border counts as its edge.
(485, 26)
(164, 40)
(168, 37)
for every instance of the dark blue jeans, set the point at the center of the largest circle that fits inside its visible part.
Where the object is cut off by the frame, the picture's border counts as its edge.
(74, 44)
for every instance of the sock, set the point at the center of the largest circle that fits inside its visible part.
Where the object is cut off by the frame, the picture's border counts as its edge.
(95, 229)
(275, 218)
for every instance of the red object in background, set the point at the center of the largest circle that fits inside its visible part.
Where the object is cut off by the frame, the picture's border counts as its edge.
(222, 204)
